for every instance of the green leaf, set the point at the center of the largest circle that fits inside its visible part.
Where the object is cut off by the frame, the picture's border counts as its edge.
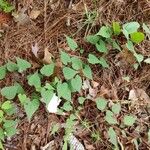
(10, 131)
(22, 64)
(129, 120)
(81, 100)
(101, 46)
(101, 103)
(67, 106)
(112, 137)
(93, 39)
(1, 145)
(76, 63)
(87, 71)
(93, 59)
(65, 58)
(116, 46)
(147, 60)
(9, 123)
(146, 28)
(6, 105)
(46, 95)
(23, 99)
(31, 107)
(137, 37)
(139, 57)
(2, 134)
(55, 128)
(131, 27)
(130, 46)
(116, 28)
(2, 72)
(69, 73)
(64, 91)
(103, 62)
(34, 80)
(110, 118)
(47, 70)
(105, 31)
(9, 92)
(1, 114)
(76, 83)
(116, 108)
(48, 86)
(20, 89)
(11, 66)
(72, 44)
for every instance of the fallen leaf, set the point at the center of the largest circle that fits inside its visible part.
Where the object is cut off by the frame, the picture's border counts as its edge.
(139, 94)
(49, 146)
(21, 18)
(34, 14)
(35, 50)
(86, 85)
(75, 143)
(95, 84)
(47, 57)
(92, 92)
(88, 146)
(53, 104)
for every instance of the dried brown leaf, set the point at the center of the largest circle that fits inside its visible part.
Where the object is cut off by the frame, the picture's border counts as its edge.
(34, 14)
(47, 57)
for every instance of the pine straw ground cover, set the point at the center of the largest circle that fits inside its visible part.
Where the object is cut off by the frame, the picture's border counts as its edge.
(57, 18)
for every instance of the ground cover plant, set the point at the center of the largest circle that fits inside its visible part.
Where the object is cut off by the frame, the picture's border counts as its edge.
(70, 88)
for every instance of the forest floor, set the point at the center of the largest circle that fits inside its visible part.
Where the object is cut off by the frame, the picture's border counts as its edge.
(45, 23)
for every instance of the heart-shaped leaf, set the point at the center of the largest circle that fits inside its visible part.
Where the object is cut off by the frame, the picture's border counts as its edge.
(47, 70)
(69, 73)
(22, 64)
(93, 39)
(76, 83)
(31, 107)
(93, 59)
(116, 28)
(9, 92)
(34, 80)
(101, 46)
(11, 66)
(6, 105)
(2, 72)
(105, 32)
(76, 63)
(137, 37)
(65, 58)
(101, 103)
(129, 120)
(64, 91)
(72, 44)
(87, 71)
(110, 118)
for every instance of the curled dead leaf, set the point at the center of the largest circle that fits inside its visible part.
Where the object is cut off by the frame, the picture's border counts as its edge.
(34, 14)
(21, 17)
(35, 50)
(47, 57)
(139, 94)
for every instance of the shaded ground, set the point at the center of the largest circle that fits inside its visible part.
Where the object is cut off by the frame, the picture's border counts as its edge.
(48, 30)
